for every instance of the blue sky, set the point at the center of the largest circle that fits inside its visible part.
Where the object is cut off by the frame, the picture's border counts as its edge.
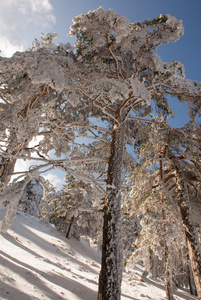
(21, 21)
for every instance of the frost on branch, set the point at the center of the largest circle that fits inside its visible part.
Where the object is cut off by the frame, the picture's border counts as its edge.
(48, 38)
(13, 197)
(46, 41)
(100, 24)
(101, 28)
(140, 91)
(114, 90)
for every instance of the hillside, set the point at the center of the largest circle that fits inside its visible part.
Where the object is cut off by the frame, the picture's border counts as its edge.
(37, 262)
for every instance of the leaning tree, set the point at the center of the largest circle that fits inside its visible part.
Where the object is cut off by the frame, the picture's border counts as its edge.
(31, 87)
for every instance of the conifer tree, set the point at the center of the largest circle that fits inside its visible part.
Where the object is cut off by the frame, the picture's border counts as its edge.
(102, 90)
(170, 166)
(75, 210)
(123, 74)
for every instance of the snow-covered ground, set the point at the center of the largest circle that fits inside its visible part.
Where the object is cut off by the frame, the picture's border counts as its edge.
(37, 262)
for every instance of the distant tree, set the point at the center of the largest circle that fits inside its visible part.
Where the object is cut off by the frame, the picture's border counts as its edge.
(37, 198)
(75, 210)
(32, 198)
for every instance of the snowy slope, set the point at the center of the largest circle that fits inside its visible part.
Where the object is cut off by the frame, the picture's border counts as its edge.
(37, 262)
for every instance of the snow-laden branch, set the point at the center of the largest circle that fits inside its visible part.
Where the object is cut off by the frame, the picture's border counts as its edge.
(83, 177)
(182, 133)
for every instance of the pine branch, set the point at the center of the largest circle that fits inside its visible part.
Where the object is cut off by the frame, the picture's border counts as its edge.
(165, 126)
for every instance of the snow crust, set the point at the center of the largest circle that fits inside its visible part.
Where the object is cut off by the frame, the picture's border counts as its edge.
(37, 262)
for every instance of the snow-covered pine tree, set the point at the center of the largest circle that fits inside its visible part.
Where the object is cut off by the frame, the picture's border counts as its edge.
(160, 243)
(184, 167)
(76, 208)
(106, 86)
(24, 104)
(167, 152)
(122, 75)
(37, 198)
(31, 87)
(31, 199)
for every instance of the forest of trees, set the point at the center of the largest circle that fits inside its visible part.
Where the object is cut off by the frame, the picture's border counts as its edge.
(86, 107)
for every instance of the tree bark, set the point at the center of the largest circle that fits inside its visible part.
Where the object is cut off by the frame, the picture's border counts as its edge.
(13, 198)
(191, 280)
(7, 164)
(193, 243)
(195, 263)
(7, 167)
(168, 285)
(112, 262)
(168, 278)
(70, 227)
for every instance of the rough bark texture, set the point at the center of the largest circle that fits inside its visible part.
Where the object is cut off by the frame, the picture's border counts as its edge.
(69, 231)
(111, 267)
(168, 286)
(13, 198)
(191, 234)
(191, 281)
(168, 278)
(7, 167)
(7, 164)
(195, 263)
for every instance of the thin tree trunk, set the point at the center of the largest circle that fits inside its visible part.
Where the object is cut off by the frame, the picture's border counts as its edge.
(70, 227)
(195, 263)
(111, 266)
(193, 243)
(168, 286)
(191, 280)
(168, 278)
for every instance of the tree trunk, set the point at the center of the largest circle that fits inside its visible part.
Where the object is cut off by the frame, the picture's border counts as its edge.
(7, 167)
(195, 263)
(193, 243)
(7, 164)
(70, 227)
(168, 285)
(168, 278)
(13, 197)
(191, 280)
(111, 265)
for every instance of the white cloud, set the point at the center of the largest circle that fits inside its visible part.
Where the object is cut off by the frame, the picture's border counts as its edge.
(22, 165)
(38, 5)
(21, 21)
(55, 180)
(31, 11)
(24, 6)
(8, 48)
(35, 141)
(55, 177)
